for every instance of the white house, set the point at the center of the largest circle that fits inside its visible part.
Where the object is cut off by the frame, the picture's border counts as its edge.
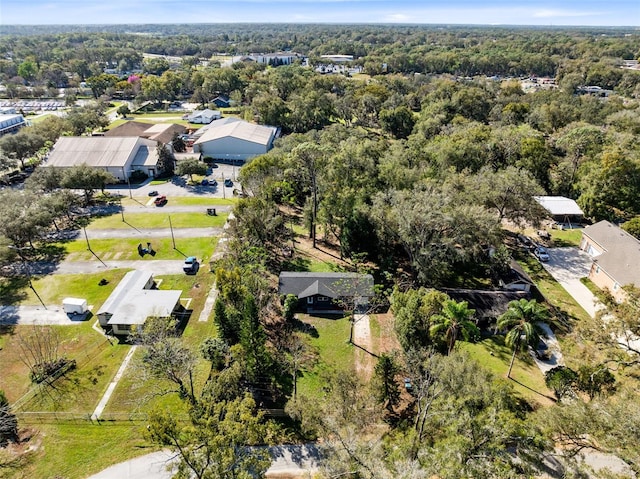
(204, 116)
(134, 300)
(120, 156)
(235, 140)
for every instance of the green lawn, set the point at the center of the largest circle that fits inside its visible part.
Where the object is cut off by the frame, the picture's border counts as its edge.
(158, 220)
(304, 263)
(329, 337)
(97, 361)
(133, 394)
(75, 451)
(41, 118)
(55, 287)
(125, 249)
(526, 377)
(566, 237)
(73, 447)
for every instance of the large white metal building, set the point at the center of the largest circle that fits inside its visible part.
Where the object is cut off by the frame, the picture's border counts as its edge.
(232, 139)
(11, 123)
(120, 156)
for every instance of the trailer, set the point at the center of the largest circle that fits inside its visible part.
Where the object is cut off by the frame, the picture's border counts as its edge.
(74, 306)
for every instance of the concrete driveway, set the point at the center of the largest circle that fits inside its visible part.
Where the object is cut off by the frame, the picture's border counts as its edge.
(567, 266)
(37, 316)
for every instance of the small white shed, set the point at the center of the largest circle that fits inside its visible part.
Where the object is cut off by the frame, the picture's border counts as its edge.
(74, 305)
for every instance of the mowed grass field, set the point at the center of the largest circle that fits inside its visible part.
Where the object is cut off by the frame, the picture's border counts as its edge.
(65, 444)
(156, 220)
(123, 249)
(328, 339)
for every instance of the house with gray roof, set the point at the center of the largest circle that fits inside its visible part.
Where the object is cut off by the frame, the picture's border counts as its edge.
(616, 255)
(235, 140)
(204, 116)
(134, 300)
(326, 292)
(119, 156)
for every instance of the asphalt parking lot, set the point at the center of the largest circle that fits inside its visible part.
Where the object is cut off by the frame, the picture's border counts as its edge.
(178, 186)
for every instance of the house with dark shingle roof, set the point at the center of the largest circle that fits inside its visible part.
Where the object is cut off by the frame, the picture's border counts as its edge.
(160, 132)
(326, 292)
(615, 254)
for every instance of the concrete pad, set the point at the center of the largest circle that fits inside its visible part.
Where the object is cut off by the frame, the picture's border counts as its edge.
(567, 266)
(38, 316)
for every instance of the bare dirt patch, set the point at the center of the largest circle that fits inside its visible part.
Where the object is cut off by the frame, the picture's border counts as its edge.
(364, 356)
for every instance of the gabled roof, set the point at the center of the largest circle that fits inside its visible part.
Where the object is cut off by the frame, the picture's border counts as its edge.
(214, 124)
(141, 304)
(133, 280)
(96, 151)
(488, 304)
(162, 132)
(204, 113)
(129, 128)
(241, 130)
(145, 156)
(130, 303)
(559, 205)
(622, 252)
(332, 285)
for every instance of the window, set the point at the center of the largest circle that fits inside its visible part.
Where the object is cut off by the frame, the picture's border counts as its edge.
(310, 300)
(323, 299)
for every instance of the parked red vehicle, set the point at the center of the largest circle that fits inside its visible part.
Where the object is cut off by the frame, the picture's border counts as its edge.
(160, 200)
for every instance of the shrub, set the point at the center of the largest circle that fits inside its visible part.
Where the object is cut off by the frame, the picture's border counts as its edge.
(138, 176)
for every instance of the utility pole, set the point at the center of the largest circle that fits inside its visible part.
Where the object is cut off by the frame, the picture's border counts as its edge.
(173, 239)
(25, 268)
(129, 183)
(84, 228)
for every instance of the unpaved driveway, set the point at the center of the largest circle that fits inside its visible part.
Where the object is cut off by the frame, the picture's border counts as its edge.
(364, 358)
(291, 461)
(567, 266)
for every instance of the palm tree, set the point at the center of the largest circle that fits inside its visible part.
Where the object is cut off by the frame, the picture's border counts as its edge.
(455, 320)
(521, 320)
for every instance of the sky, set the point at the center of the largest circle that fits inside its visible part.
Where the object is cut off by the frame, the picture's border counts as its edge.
(487, 12)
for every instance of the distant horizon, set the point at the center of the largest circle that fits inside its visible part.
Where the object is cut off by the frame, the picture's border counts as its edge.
(513, 13)
(408, 24)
